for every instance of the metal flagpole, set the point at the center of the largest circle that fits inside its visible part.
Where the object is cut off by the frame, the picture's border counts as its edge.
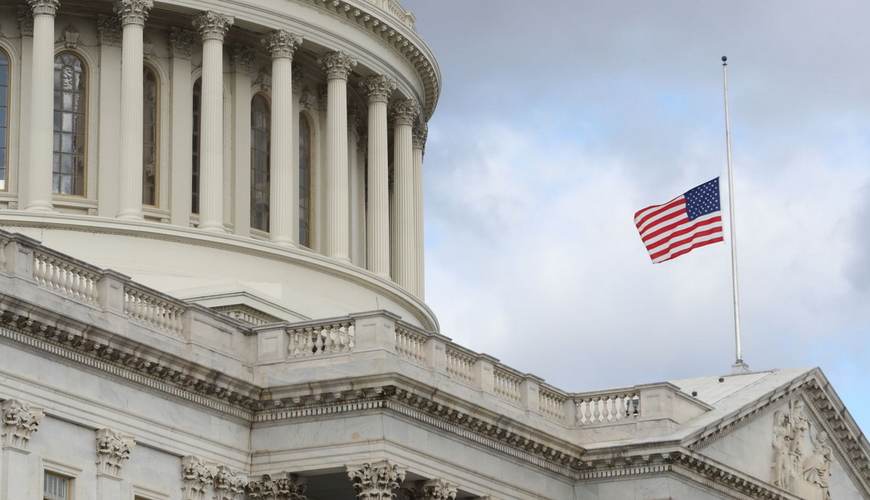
(739, 366)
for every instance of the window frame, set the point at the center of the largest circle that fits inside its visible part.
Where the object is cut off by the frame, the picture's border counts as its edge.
(157, 132)
(86, 71)
(265, 214)
(57, 469)
(307, 241)
(196, 145)
(7, 132)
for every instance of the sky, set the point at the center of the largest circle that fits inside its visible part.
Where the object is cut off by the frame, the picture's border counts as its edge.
(558, 120)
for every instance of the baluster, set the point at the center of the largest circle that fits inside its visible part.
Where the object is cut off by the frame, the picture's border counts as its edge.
(309, 345)
(3, 256)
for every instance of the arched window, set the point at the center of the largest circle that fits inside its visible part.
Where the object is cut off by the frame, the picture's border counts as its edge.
(70, 124)
(304, 181)
(261, 119)
(197, 113)
(4, 118)
(149, 138)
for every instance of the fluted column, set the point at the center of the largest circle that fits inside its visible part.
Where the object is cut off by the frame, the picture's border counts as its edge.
(133, 14)
(213, 28)
(378, 89)
(284, 182)
(337, 66)
(419, 133)
(39, 172)
(376, 481)
(405, 113)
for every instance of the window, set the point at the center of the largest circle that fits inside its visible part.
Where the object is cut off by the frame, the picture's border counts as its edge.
(197, 113)
(261, 118)
(304, 181)
(149, 137)
(4, 117)
(55, 487)
(70, 122)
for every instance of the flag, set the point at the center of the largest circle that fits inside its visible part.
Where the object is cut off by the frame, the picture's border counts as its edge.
(689, 221)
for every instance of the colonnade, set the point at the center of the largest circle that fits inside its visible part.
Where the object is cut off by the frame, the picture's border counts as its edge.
(406, 243)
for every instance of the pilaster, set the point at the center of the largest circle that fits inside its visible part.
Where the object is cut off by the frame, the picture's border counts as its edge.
(113, 449)
(241, 62)
(376, 481)
(20, 421)
(109, 179)
(378, 90)
(180, 146)
(196, 476)
(419, 135)
(228, 484)
(405, 112)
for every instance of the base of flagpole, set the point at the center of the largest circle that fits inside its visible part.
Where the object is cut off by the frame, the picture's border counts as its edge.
(739, 368)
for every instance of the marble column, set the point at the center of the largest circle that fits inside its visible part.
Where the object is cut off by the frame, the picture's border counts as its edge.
(378, 90)
(132, 14)
(419, 135)
(213, 28)
(376, 481)
(338, 66)
(39, 172)
(433, 489)
(405, 113)
(19, 420)
(284, 181)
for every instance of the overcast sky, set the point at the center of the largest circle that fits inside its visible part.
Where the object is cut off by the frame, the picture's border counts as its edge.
(559, 119)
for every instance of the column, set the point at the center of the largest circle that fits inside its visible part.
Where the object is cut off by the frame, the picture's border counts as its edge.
(405, 113)
(433, 489)
(39, 172)
(376, 481)
(213, 28)
(284, 181)
(133, 14)
(337, 66)
(378, 90)
(181, 123)
(419, 135)
(228, 484)
(19, 421)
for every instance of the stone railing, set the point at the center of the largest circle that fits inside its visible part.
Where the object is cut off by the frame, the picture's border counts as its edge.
(319, 338)
(608, 407)
(68, 278)
(395, 10)
(148, 307)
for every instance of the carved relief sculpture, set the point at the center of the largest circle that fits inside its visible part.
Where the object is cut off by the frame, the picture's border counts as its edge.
(782, 469)
(807, 476)
(433, 489)
(289, 487)
(20, 420)
(376, 482)
(817, 468)
(196, 475)
(112, 449)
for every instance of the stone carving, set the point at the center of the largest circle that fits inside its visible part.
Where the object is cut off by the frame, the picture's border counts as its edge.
(242, 58)
(298, 79)
(196, 475)
(405, 111)
(25, 20)
(227, 484)
(376, 481)
(306, 99)
(322, 97)
(337, 65)
(289, 487)
(806, 475)
(20, 420)
(180, 42)
(378, 88)
(69, 37)
(133, 11)
(281, 43)
(47, 7)
(434, 489)
(263, 80)
(112, 449)
(109, 30)
(419, 135)
(212, 25)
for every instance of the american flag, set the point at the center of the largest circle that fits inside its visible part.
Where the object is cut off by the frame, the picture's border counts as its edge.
(689, 221)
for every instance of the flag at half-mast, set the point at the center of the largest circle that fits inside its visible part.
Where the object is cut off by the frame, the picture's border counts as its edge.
(689, 221)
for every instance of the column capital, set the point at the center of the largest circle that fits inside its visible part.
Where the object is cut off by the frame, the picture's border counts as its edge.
(405, 111)
(212, 25)
(112, 449)
(44, 7)
(25, 20)
(133, 12)
(242, 58)
(433, 489)
(376, 481)
(180, 42)
(109, 29)
(228, 485)
(196, 475)
(378, 88)
(419, 134)
(337, 65)
(298, 79)
(20, 420)
(289, 487)
(281, 43)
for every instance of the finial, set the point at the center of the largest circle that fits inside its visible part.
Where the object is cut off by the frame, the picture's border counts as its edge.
(724, 61)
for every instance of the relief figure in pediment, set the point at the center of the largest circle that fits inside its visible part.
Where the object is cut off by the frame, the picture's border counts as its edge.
(817, 468)
(782, 470)
(799, 425)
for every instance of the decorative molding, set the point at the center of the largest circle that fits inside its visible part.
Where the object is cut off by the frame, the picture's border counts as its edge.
(376, 481)
(285, 487)
(212, 25)
(133, 12)
(322, 97)
(281, 44)
(404, 111)
(337, 65)
(25, 20)
(180, 42)
(20, 420)
(307, 101)
(196, 475)
(109, 30)
(228, 485)
(247, 314)
(12, 205)
(433, 489)
(263, 81)
(44, 7)
(242, 58)
(298, 78)
(419, 134)
(113, 448)
(69, 37)
(378, 88)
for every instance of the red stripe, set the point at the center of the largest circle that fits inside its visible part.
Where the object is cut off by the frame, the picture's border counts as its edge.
(685, 230)
(683, 218)
(689, 249)
(695, 234)
(662, 208)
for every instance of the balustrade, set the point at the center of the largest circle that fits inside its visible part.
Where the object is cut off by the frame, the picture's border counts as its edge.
(507, 385)
(409, 344)
(65, 277)
(607, 408)
(316, 340)
(151, 309)
(552, 404)
(460, 365)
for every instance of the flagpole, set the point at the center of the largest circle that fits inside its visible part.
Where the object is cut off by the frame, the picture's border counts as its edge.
(739, 366)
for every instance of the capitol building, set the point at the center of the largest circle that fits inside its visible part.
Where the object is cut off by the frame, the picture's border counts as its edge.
(212, 288)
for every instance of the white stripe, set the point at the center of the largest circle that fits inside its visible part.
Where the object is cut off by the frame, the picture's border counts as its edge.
(667, 235)
(693, 241)
(657, 220)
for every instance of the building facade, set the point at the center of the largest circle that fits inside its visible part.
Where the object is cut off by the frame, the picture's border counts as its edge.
(211, 287)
